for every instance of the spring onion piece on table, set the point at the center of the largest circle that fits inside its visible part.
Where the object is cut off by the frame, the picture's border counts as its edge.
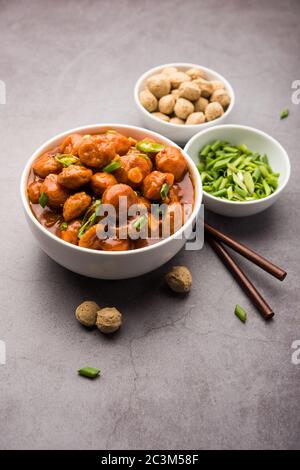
(89, 372)
(113, 166)
(43, 199)
(240, 313)
(146, 146)
(284, 113)
(235, 173)
(66, 159)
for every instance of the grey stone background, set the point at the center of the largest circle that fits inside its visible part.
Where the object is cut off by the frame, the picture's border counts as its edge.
(182, 373)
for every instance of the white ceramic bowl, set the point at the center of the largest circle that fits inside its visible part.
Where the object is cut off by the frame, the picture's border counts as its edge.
(104, 264)
(179, 133)
(256, 140)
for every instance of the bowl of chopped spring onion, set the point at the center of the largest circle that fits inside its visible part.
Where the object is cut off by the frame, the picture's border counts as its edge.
(243, 170)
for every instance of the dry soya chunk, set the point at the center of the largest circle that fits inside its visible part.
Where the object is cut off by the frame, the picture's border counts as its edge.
(196, 73)
(161, 116)
(74, 176)
(200, 104)
(213, 111)
(177, 78)
(179, 279)
(148, 100)
(55, 192)
(86, 313)
(76, 205)
(221, 96)
(166, 104)
(159, 85)
(195, 118)
(176, 120)
(189, 90)
(109, 320)
(183, 108)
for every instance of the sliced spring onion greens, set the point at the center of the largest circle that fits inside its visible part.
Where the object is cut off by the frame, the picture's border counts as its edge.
(243, 148)
(240, 191)
(214, 147)
(164, 190)
(204, 152)
(200, 167)
(223, 183)
(266, 188)
(240, 313)
(249, 183)
(230, 149)
(43, 200)
(220, 192)
(113, 166)
(66, 159)
(221, 164)
(236, 173)
(229, 192)
(217, 183)
(264, 171)
(256, 174)
(146, 146)
(90, 372)
(63, 226)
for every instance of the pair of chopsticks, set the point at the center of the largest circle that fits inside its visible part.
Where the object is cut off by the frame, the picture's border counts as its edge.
(216, 240)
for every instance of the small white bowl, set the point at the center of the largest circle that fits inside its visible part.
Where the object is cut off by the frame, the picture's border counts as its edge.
(179, 133)
(256, 140)
(105, 264)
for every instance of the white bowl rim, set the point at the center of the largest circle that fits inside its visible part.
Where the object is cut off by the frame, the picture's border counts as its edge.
(254, 131)
(97, 127)
(204, 125)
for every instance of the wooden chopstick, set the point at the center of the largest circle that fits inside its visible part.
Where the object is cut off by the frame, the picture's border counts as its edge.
(243, 280)
(243, 250)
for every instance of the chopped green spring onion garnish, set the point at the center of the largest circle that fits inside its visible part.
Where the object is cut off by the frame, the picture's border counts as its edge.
(63, 226)
(90, 218)
(66, 159)
(113, 166)
(146, 146)
(164, 190)
(89, 223)
(139, 223)
(43, 200)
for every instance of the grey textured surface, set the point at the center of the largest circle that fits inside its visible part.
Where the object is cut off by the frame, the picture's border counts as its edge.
(182, 373)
